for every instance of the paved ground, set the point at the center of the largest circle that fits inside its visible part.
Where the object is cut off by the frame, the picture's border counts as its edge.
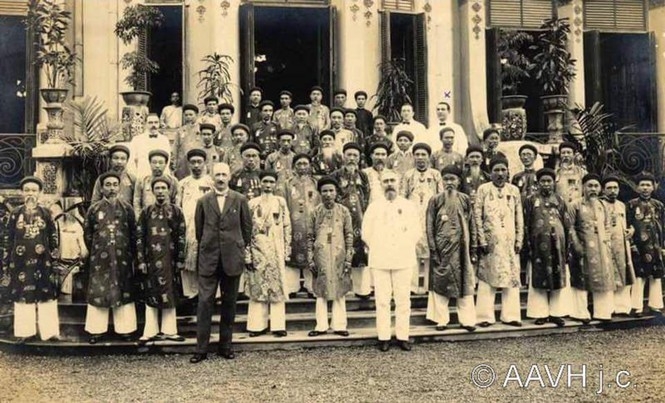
(431, 372)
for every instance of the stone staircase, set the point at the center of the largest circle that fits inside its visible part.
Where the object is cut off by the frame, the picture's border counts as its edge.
(299, 321)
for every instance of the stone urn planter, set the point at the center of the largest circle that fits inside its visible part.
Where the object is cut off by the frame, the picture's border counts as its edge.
(55, 126)
(513, 117)
(554, 108)
(135, 113)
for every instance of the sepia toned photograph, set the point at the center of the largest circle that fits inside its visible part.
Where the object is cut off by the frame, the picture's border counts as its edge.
(332, 200)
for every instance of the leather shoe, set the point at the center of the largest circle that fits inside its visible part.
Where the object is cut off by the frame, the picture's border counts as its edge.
(484, 324)
(198, 357)
(515, 323)
(343, 333)
(384, 346)
(539, 321)
(279, 333)
(469, 328)
(227, 354)
(315, 333)
(557, 321)
(259, 333)
(404, 345)
(94, 339)
(440, 328)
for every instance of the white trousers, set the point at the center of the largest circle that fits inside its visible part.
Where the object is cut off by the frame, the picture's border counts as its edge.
(421, 271)
(393, 284)
(169, 326)
(603, 304)
(510, 303)
(339, 320)
(190, 283)
(655, 293)
(362, 280)
(293, 279)
(124, 319)
(43, 314)
(437, 310)
(540, 306)
(258, 314)
(622, 301)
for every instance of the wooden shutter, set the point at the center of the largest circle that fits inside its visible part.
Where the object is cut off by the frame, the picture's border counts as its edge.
(398, 5)
(615, 15)
(333, 78)
(384, 22)
(142, 49)
(14, 7)
(593, 85)
(493, 74)
(247, 52)
(519, 13)
(420, 71)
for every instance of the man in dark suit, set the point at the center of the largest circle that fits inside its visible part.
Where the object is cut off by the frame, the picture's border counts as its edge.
(223, 228)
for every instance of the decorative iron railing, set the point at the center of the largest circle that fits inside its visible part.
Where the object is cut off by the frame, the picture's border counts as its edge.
(15, 158)
(642, 152)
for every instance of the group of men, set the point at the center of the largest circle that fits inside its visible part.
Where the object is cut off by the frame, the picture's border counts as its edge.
(256, 211)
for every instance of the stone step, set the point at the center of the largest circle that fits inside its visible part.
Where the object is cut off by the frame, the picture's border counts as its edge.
(298, 339)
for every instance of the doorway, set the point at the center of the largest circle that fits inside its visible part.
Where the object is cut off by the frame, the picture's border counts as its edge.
(165, 48)
(287, 48)
(13, 89)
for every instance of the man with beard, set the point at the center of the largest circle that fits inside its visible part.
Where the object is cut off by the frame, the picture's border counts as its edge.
(342, 134)
(190, 190)
(223, 228)
(379, 153)
(110, 236)
(269, 249)
(330, 251)
(473, 176)
(233, 156)
(461, 141)
(449, 228)
(319, 114)
(569, 175)
(264, 132)
(446, 155)
(590, 265)
(281, 161)
(354, 195)
(364, 116)
(619, 234)
(284, 116)
(186, 139)
(402, 159)
(141, 146)
(211, 114)
(306, 137)
(119, 157)
(30, 246)
(302, 197)
(419, 185)
(500, 229)
(160, 252)
(247, 181)
(254, 107)
(143, 196)
(223, 138)
(391, 230)
(646, 216)
(545, 229)
(327, 159)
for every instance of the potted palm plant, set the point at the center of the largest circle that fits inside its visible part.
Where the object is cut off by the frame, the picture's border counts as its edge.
(393, 90)
(553, 69)
(515, 66)
(136, 21)
(215, 78)
(49, 23)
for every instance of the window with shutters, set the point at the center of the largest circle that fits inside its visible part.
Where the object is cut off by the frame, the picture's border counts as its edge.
(518, 13)
(399, 5)
(615, 15)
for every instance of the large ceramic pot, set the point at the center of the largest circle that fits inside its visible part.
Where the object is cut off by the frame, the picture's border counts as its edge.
(54, 95)
(136, 98)
(513, 117)
(554, 109)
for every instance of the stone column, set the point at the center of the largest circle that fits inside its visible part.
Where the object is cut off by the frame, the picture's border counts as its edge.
(472, 71)
(574, 11)
(657, 26)
(359, 47)
(224, 36)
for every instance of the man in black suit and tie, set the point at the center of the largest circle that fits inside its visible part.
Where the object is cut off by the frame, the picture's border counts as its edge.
(223, 228)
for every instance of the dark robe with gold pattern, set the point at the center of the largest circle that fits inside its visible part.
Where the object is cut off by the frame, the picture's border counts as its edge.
(647, 217)
(354, 195)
